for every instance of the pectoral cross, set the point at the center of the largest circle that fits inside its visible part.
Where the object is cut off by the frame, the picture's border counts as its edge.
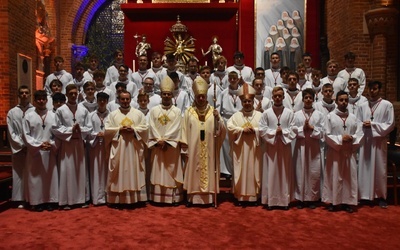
(344, 126)
(74, 120)
(43, 126)
(372, 118)
(101, 126)
(278, 124)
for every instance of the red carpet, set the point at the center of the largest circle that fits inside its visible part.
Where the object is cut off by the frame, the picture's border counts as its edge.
(228, 226)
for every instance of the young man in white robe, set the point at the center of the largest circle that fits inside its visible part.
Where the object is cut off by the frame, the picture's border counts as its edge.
(316, 84)
(59, 74)
(355, 99)
(228, 103)
(332, 67)
(307, 60)
(93, 67)
(277, 189)
(293, 97)
(203, 132)
(308, 124)
(266, 90)
(89, 101)
(143, 72)
(220, 76)
(245, 73)
(327, 104)
(246, 148)
(55, 87)
(164, 141)
(112, 72)
(79, 80)
(98, 159)
(127, 130)
(343, 136)
(123, 78)
(261, 102)
(15, 117)
(377, 117)
(41, 180)
(351, 71)
(303, 82)
(273, 75)
(157, 68)
(71, 128)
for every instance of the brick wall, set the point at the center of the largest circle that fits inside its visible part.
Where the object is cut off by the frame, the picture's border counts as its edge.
(17, 29)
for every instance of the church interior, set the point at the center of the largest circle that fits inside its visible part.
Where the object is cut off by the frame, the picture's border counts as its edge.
(33, 33)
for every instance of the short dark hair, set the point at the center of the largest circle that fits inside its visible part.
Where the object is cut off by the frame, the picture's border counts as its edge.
(372, 83)
(40, 93)
(349, 55)
(102, 95)
(59, 97)
(23, 87)
(342, 92)
(308, 91)
(238, 54)
(55, 81)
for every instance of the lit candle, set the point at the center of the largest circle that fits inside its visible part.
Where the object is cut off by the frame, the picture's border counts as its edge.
(133, 66)
(151, 64)
(205, 63)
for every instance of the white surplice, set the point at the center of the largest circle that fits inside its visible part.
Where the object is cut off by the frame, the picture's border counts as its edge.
(72, 166)
(277, 187)
(372, 170)
(15, 118)
(340, 172)
(307, 154)
(41, 182)
(98, 160)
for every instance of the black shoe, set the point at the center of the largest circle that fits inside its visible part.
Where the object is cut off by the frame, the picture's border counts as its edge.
(269, 208)
(300, 205)
(49, 207)
(188, 204)
(37, 208)
(383, 204)
(312, 205)
(286, 208)
(348, 209)
(331, 208)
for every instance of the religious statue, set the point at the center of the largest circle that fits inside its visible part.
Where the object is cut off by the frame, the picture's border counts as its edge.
(182, 45)
(142, 47)
(215, 50)
(44, 39)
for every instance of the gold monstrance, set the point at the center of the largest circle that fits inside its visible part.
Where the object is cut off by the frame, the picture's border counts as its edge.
(182, 45)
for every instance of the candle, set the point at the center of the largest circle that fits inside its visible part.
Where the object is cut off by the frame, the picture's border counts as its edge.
(133, 66)
(206, 63)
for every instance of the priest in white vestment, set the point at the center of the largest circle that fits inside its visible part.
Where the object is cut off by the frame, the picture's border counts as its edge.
(377, 116)
(41, 180)
(343, 135)
(164, 141)
(203, 132)
(127, 130)
(246, 148)
(277, 177)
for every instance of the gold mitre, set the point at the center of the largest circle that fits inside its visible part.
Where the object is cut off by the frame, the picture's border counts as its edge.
(246, 92)
(167, 85)
(200, 86)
